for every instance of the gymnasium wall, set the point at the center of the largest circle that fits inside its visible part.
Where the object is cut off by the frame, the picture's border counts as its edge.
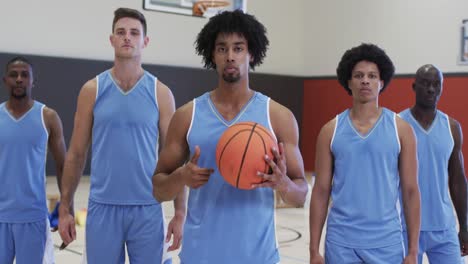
(412, 32)
(59, 80)
(324, 98)
(81, 29)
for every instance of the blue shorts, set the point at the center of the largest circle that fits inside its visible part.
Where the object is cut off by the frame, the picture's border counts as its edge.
(440, 246)
(335, 254)
(139, 228)
(27, 242)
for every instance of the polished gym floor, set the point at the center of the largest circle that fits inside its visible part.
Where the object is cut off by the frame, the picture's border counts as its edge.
(292, 229)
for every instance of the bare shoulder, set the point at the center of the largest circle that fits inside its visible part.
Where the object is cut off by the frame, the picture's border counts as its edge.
(279, 112)
(183, 116)
(403, 126)
(52, 120)
(454, 124)
(88, 92)
(327, 130)
(50, 114)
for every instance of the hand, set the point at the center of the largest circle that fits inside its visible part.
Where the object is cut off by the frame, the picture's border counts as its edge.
(66, 226)
(193, 175)
(175, 229)
(278, 179)
(463, 238)
(410, 259)
(317, 259)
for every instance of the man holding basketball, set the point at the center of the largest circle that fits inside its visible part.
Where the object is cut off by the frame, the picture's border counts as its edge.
(225, 224)
(124, 113)
(28, 130)
(440, 169)
(363, 156)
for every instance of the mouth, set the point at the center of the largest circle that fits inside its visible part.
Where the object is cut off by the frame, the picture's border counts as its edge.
(230, 70)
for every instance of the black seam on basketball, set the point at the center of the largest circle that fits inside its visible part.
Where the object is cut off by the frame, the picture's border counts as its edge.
(225, 146)
(243, 156)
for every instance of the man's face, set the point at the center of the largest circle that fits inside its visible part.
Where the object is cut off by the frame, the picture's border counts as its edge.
(231, 56)
(128, 38)
(365, 82)
(18, 79)
(428, 88)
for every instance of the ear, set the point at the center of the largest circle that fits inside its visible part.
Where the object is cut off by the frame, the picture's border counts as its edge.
(381, 85)
(111, 39)
(145, 41)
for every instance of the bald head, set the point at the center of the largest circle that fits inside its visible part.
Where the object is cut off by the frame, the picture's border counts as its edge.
(428, 69)
(428, 86)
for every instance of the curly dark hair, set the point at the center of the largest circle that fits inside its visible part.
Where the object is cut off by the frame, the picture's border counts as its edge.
(232, 22)
(365, 52)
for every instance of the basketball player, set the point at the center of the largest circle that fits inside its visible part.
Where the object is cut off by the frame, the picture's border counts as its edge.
(440, 168)
(28, 129)
(123, 112)
(224, 224)
(363, 155)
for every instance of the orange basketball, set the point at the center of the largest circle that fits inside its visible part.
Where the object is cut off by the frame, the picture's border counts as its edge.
(240, 154)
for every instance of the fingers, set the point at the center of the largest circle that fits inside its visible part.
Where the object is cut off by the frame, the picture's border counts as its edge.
(195, 156)
(175, 243)
(67, 230)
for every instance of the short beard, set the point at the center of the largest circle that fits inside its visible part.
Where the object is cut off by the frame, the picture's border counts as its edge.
(18, 96)
(231, 78)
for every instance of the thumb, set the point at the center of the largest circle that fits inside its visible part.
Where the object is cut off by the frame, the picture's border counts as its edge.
(196, 155)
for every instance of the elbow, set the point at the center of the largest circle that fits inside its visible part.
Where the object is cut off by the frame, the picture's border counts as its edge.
(158, 191)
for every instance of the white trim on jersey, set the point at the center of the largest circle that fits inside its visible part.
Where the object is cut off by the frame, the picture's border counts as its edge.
(97, 89)
(449, 128)
(191, 119)
(334, 132)
(22, 117)
(49, 257)
(396, 132)
(269, 120)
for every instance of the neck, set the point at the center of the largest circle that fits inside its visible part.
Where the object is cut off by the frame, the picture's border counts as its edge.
(365, 111)
(19, 105)
(232, 95)
(424, 113)
(126, 73)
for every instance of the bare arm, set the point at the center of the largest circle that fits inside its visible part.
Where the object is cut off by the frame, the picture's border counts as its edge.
(166, 111)
(457, 183)
(56, 142)
(322, 189)
(288, 170)
(408, 169)
(80, 141)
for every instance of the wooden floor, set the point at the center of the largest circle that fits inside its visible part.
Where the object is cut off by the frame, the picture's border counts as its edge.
(292, 229)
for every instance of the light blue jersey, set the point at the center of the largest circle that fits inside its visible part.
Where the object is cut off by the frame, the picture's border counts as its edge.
(364, 212)
(23, 152)
(123, 213)
(125, 142)
(224, 224)
(435, 146)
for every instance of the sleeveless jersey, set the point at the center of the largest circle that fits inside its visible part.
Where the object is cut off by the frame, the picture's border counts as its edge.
(435, 146)
(23, 153)
(364, 212)
(124, 142)
(224, 224)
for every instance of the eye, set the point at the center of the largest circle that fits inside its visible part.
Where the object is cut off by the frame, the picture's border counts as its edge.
(357, 75)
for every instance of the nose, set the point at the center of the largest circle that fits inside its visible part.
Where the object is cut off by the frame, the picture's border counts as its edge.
(365, 80)
(19, 79)
(431, 89)
(230, 56)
